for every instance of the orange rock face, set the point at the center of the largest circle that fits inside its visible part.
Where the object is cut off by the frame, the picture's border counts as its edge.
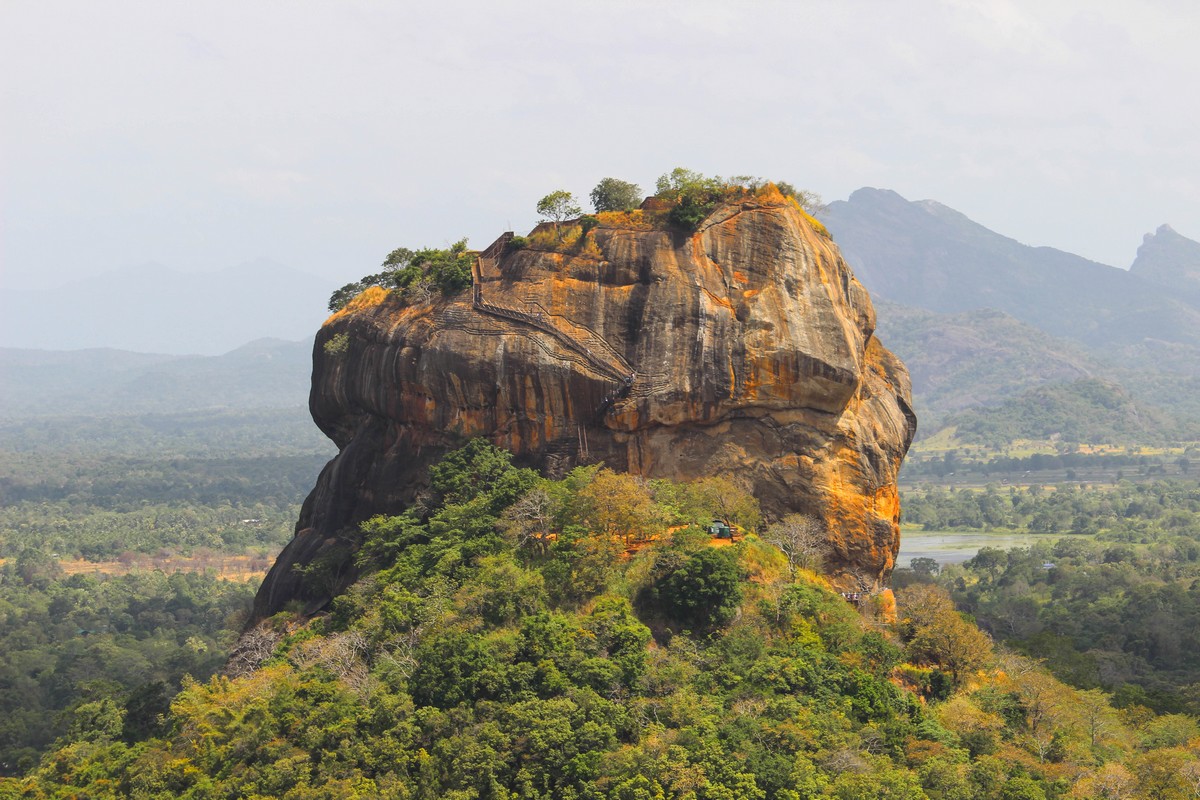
(745, 349)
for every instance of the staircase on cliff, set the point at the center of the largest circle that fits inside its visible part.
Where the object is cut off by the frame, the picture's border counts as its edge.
(595, 351)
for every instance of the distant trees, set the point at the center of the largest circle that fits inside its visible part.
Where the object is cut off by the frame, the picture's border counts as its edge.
(613, 194)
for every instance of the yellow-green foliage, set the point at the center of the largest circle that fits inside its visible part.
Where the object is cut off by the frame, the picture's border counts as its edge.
(636, 220)
(337, 344)
(565, 238)
(816, 224)
(463, 666)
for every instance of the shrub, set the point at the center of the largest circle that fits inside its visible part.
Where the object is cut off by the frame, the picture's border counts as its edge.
(337, 345)
(448, 270)
(694, 195)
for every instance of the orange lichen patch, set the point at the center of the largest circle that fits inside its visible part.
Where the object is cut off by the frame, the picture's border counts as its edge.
(371, 296)
(635, 220)
(887, 503)
(740, 277)
(750, 385)
(721, 301)
(750, 293)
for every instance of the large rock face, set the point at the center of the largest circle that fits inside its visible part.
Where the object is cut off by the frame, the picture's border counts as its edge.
(744, 350)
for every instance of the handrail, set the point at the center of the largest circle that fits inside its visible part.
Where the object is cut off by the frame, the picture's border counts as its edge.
(615, 367)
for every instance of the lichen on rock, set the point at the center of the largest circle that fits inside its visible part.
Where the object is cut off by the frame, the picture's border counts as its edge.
(743, 349)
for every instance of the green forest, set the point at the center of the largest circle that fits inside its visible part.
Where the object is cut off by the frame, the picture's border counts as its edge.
(95, 488)
(143, 493)
(583, 638)
(1112, 604)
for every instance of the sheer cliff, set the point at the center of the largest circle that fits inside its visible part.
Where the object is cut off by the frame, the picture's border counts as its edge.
(743, 349)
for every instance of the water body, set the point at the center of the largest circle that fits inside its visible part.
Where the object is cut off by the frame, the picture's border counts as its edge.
(955, 547)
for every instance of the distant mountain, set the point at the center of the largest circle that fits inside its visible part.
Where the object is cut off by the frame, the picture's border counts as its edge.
(1169, 260)
(985, 322)
(268, 373)
(976, 358)
(152, 308)
(1081, 411)
(926, 255)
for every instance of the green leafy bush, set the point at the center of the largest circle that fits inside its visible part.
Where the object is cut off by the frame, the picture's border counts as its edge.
(414, 273)
(337, 344)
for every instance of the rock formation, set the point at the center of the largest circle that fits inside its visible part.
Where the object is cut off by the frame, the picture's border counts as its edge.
(1170, 260)
(744, 349)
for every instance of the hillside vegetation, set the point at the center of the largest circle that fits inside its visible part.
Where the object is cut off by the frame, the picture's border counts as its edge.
(521, 638)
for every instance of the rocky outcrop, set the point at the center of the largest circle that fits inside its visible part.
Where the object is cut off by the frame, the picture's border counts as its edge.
(744, 349)
(1170, 260)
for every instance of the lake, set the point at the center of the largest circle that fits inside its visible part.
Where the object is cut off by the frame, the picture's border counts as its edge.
(955, 547)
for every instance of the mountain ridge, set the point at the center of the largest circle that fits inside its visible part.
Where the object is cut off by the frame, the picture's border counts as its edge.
(927, 255)
(153, 307)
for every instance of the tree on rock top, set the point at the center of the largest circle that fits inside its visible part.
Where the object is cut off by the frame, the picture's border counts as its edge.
(557, 206)
(614, 194)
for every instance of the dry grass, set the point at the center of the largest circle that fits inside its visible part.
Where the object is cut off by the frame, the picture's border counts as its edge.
(231, 568)
(371, 296)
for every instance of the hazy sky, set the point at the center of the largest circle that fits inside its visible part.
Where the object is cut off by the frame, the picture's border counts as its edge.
(322, 135)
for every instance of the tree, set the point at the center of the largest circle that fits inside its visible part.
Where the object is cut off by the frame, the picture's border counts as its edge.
(415, 273)
(703, 592)
(801, 539)
(476, 469)
(613, 194)
(937, 633)
(558, 206)
(681, 181)
(723, 499)
(618, 504)
(694, 194)
(1111, 782)
(530, 521)
(925, 567)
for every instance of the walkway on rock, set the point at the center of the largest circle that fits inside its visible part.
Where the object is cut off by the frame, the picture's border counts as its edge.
(580, 340)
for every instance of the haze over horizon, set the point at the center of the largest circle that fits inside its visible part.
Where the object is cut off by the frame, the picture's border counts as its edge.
(322, 136)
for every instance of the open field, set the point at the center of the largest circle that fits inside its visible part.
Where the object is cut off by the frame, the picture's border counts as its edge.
(243, 568)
